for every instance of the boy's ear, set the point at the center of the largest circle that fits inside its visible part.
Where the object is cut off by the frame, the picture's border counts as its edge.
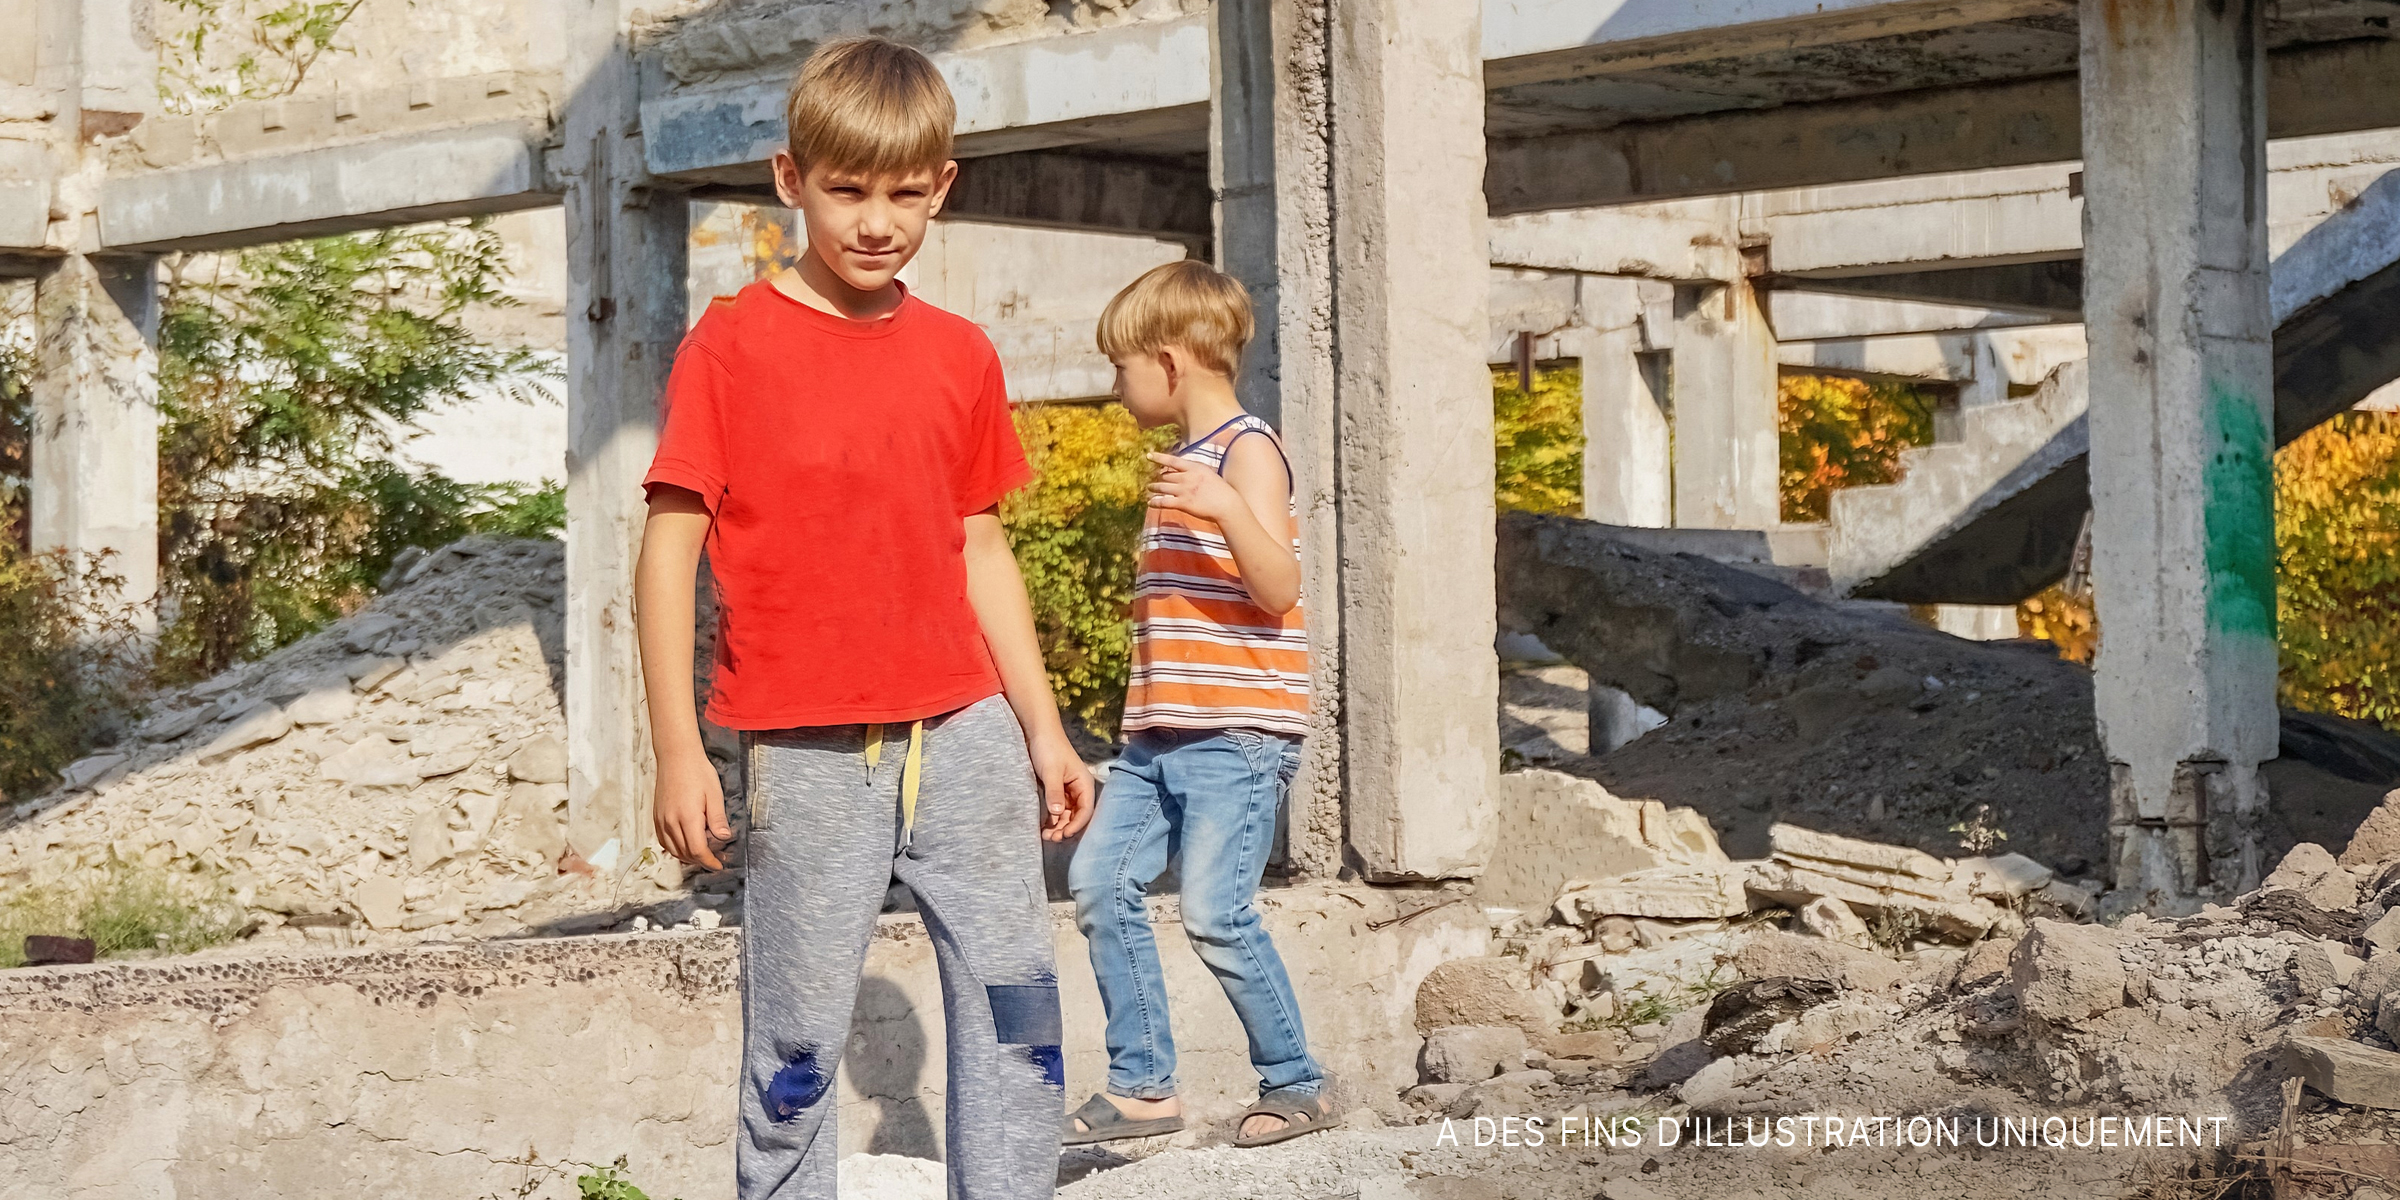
(941, 187)
(790, 182)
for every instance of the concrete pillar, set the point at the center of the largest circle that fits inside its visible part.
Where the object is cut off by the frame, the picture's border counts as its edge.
(1268, 164)
(2183, 532)
(1976, 622)
(1724, 409)
(1628, 472)
(1411, 277)
(626, 244)
(94, 485)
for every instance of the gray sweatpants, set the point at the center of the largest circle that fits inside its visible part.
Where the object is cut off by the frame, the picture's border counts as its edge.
(825, 843)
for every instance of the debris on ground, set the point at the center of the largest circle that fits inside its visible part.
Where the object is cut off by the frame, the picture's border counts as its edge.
(397, 776)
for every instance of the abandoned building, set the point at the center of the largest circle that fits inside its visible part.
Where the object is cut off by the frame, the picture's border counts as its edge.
(2138, 245)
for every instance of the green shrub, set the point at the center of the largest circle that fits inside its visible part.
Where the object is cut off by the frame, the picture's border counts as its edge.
(1075, 530)
(122, 909)
(71, 665)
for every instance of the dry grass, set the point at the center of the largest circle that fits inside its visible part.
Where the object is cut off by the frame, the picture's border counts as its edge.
(122, 910)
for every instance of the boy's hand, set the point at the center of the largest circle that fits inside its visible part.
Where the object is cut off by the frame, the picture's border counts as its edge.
(688, 812)
(1067, 788)
(1189, 486)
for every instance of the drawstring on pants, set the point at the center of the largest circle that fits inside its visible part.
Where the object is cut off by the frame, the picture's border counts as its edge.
(912, 768)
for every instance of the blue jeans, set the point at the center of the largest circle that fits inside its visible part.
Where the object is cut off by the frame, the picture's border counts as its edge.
(1210, 796)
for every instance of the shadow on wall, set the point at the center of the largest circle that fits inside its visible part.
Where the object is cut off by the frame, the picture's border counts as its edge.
(885, 1063)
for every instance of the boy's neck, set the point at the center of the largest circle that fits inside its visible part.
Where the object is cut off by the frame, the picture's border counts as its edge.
(1207, 402)
(811, 282)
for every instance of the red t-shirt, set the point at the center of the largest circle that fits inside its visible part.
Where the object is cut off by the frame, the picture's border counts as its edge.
(839, 459)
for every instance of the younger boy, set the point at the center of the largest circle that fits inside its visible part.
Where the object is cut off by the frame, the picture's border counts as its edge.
(840, 448)
(1213, 719)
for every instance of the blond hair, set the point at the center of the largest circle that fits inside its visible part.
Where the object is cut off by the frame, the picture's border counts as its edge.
(1188, 304)
(871, 106)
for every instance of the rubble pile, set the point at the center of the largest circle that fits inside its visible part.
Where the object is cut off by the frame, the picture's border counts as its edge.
(1729, 988)
(399, 775)
(1853, 719)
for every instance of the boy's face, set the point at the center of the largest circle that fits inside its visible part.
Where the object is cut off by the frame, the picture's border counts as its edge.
(1146, 389)
(863, 227)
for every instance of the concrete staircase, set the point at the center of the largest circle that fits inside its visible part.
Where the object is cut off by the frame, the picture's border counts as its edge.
(1993, 517)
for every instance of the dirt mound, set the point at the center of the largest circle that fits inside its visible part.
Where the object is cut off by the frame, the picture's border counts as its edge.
(1854, 720)
(399, 775)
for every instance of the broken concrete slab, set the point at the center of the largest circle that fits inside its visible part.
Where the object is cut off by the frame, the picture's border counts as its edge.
(1556, 827)
(2067, 973)
(1770, 954)
(1833, 920)
(1671, 892)
(263, 724)
(2384, 934)
(1821, 851)
(1793, 886)
(2320, 965)
(2004, 877)
(1479, 991)
(2346, 1071)
(2377, 839)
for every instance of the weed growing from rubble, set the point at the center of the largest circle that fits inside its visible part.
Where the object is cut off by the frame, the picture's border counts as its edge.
(1894, 928)
(608, 1183)
(123, 910)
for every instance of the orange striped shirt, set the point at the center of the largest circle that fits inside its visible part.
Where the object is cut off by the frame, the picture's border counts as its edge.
(1204, 656)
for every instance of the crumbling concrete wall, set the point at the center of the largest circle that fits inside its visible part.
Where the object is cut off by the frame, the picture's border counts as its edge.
(468, 1070)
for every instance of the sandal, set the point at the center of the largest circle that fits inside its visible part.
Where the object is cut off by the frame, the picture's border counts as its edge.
(1302, 1112)
(1105, 1122)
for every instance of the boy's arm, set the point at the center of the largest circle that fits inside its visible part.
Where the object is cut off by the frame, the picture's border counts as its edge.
(1251, 503)
(997, 591)
(688, 808)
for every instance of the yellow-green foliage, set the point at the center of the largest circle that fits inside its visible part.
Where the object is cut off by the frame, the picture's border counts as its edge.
(2337, 546)
(1538, 441)
(1075, 530)
(122, 909)
(1841, 432)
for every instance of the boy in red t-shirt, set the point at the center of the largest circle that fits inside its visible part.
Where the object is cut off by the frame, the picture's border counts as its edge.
(840, 448)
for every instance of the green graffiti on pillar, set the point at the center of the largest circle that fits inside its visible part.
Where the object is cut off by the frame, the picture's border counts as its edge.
(2239, 513)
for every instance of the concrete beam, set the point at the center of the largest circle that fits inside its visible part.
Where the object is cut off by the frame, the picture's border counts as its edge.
(1420, 683)
(93, 490)
(1531, 41)
(2051, 290)
(2310, 90)
(1061, 189)
(24, 195)
(361, 185)
(2182, 445)
(1686, 242)
(1136, 80)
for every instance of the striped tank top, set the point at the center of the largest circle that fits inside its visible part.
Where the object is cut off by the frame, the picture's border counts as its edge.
(1204, 656)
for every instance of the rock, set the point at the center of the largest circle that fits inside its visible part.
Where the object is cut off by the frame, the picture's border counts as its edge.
(367, 674)
(1509, 1094)
(1558, 827)
(428, 839)
(42, 950)
(1832, 920)
(539, 827)
(1717, 1087)
(324, 706)
(1629, 1189)
(2320, 965)
(2387, 1013)
(481, 809)
(370, 762)
(1986, 961)
(2067, 973)
(167, 726)
(264, 724)
(1603, 1044)
(2380, 974)
(1675, 892)
(1434, 1097)
(1616, 935)
(1470, 1053)
(84, 772)
(1959, 916)
(2313, 873)
(380, 901)
(706, 918)
(2006, 877)
(1813, 849)
(449, 762)
(454, 909)
(2376, 842)
(2066, 897)
(402, 563)
(368, 631)
(2384, 934)
(1742, 1014)
(1478, 991)
(1772, 954)
(1824, 1025)
(2346, 1071)
(542, 760)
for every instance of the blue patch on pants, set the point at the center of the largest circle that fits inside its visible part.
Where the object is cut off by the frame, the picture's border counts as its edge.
(799, 1084)
(1025, 1014)
(1052, 1063)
